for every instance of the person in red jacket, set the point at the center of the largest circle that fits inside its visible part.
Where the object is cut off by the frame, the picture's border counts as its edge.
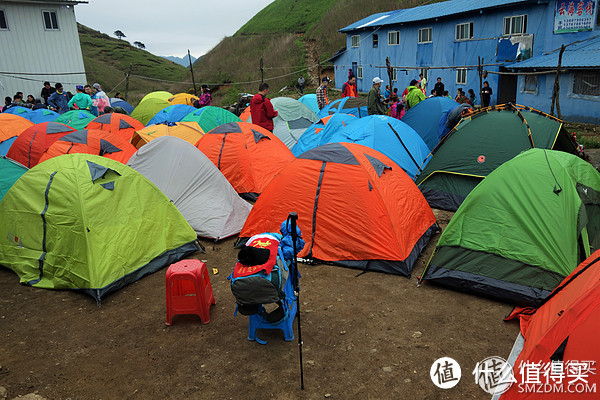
(349, 88)
(261, 109)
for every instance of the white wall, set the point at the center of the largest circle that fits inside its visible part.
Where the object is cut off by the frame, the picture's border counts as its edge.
(27, 47)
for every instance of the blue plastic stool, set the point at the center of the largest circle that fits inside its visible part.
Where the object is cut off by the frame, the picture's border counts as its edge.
(259, 321)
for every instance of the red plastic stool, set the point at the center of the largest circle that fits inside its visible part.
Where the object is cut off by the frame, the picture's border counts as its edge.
(189, 290)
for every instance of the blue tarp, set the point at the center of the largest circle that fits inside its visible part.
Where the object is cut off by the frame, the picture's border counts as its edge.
(319, 132)
(424, 118)
(172, 114)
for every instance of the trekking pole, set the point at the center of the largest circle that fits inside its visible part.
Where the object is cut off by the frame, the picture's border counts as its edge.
(293, 217)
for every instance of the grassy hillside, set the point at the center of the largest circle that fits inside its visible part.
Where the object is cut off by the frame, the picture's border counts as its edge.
(290, 36)
(107, 61)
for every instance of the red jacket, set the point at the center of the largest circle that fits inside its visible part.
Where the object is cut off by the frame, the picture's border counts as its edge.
(262, 112)
(349, 90)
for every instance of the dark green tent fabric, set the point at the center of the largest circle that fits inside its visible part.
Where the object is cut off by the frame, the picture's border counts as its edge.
(481, 143)
(522, 229)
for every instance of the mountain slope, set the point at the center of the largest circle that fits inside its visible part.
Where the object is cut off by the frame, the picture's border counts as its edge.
(107, 61)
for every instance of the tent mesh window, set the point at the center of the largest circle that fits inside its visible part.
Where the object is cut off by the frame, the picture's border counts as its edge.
(587, 83)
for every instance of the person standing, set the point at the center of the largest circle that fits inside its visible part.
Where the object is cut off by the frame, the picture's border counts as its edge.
(47, 91)
(414, 95)
(349, 88)
(374, 104)
(301, 82)
(205, 97)
(422, 84)
(261, 109)
(439, 87)
(486, 94)
(81, 100)
(88, 90)
(100, 98)
(58, 101)
(322, 99)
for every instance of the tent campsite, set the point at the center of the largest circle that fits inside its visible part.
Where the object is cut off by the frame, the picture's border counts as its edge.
(30, 145)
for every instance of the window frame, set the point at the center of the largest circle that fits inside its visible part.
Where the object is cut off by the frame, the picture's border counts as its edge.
(510, 25)
(375, 39)
(582, 75)
(458, 73)
(430, 29)
(394, 74)
(470, 33)
(530, 91)
(397, 35)
(425, 72)
(50, 13)
(359, 72)
(3, 14)
(352, 40)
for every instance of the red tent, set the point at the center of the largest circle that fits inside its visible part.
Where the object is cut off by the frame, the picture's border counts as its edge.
(564, 329)
(120, 124)
(248, 155)
(92, 141)
(34, 141)
(355, 207)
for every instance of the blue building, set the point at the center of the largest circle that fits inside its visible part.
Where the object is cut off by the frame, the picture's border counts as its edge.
(511, 37)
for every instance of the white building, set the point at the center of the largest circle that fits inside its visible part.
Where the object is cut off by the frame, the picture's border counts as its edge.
(38, 42)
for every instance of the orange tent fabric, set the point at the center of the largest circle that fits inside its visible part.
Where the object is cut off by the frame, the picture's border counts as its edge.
(355, 206)
(12, 125)
(92, 141)
(34, 141)
(245, 116)
(564, 328)
(188, 131)
(248, 155)
(119, 124)
(183, 98)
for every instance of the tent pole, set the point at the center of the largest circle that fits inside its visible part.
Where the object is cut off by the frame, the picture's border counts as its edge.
(293, 217)
(405, 148)
(192, 70)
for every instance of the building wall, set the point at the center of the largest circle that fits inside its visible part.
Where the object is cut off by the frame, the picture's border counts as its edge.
(444, 51)
(27, 47)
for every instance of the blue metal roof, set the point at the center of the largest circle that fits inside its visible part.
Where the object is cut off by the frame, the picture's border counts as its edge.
(579, 55)
(427, 12)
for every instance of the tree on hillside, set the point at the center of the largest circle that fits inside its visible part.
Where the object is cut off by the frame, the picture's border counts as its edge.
(119, 34)
(139, 45)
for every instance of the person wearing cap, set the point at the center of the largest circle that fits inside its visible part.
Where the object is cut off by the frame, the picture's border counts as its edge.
(58, 101)
(205, 98)
(261, 109)
(374, 104)
(100, 99)
(322, 99)
(81, 100)
(413, 96)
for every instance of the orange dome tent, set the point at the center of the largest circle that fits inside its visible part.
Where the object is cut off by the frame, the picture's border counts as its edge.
(355, 206)
(120, 124)
(245, 115)
(30, 145)
(183, 98)
(188, 131)
(248, 155)
(91, 141)
(563, 329)
(11, 126)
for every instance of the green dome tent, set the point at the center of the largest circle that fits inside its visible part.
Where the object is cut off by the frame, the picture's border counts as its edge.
(210, 117)
(88, 223)
(161, 95)
(10, 172)
(481, 143)
(148, 109)
(76, 119)
(522, 230)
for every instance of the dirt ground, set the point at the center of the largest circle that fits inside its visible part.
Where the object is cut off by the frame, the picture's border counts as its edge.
(369, 337)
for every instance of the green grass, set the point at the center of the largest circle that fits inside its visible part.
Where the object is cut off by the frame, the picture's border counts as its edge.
(589, 142)
(107, 60)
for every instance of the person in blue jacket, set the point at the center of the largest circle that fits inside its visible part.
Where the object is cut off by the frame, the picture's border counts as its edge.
(58, 101)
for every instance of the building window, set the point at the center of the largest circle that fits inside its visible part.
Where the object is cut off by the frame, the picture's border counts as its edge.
(395, 74)
(515, 25)
(393, 38)
(461, 76)
(359, 72)
(50, 20)
(530, 84)
(464, 31)
(425, 35)
(375, 40)
(587, 83)
(3, 24)
(355, 40)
